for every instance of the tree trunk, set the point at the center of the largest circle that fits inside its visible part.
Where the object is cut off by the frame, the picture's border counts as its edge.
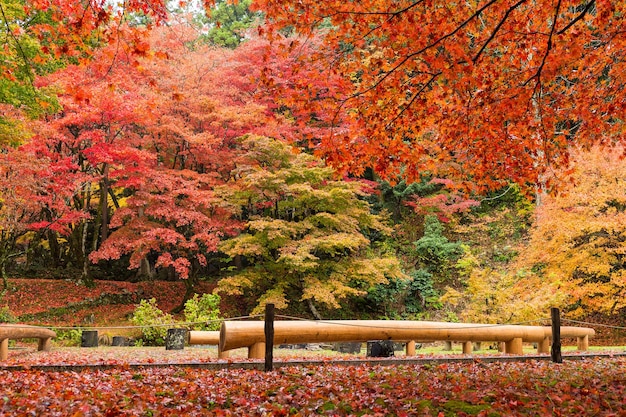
(55, 249)
(104, 201)
(313, 310)
(189, 292)
(86, 274)
(146, 271)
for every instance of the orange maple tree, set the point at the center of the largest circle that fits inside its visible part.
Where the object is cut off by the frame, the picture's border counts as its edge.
(483, 91)
(577, 246)
(574, 258)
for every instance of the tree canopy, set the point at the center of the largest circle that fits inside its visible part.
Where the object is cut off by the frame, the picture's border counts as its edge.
(483, 91)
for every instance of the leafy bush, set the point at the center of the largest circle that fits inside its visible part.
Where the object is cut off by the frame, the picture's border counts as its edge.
(420, 292)
(6, 316)
(205, 309)
(69, 337)
(152, 320)
(404, 297)
(434, 251)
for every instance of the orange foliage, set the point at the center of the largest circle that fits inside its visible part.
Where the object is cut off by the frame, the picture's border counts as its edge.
(575, 257)
(482, 91)
(578, 244)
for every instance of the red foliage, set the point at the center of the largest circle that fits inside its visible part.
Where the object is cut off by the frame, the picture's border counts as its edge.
(589, 387)
(37, 296)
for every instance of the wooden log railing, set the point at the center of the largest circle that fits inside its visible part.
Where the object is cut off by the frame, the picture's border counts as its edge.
(206, 337)
(250, 334)
(19, 331)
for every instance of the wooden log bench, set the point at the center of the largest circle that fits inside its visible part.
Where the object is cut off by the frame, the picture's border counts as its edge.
(206, 337)
(250, 334)
(20, 331)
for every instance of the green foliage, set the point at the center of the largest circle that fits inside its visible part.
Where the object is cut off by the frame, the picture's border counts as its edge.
(69, 337)
(404, 297)
(6, 316)
(22, 60)
(420, 292)
(152, 319)
(394, 197)
(306, 232)
(228, 22)
(203, 309)
(434, 251)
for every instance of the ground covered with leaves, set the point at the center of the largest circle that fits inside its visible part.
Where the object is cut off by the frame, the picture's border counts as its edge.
(582, 387)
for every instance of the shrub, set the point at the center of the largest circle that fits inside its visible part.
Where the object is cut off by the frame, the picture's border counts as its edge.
(205, 309)
(68, 337)
(152, 321)
(6, 316)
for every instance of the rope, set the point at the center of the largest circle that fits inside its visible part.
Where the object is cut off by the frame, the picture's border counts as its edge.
(594, 324)
(338, 323)
(169, 325)
(481, 326)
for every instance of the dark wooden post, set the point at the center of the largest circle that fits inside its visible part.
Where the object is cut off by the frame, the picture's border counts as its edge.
(556, 336)
(269, 337)
(89, 338)
(175, 339)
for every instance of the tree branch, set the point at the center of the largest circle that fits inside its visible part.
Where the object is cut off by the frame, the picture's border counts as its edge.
(417, 94)
(497, 29)
(537, 74)
(422, 50)
(582, 14)
(29, 71)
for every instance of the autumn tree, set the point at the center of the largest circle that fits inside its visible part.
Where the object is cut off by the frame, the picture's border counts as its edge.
(577, 246)
(482, 91)
(307, 237)
(23, 58)
(95, 140)
(574, 258)
(19, 206)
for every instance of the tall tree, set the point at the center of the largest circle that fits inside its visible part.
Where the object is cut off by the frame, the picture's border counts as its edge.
(306, 236)
(578, 244)
(97, 138)
(484, 91)
(574, 258)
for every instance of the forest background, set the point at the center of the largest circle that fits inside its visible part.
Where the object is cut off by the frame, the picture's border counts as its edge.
(330, 161)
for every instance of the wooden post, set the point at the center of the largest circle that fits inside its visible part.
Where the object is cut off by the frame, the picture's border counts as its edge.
(4, 349)
(44, 343)
(223, 354)
(256, 351)
(583, 342)
(89, 338)
(410, 348)
(556, 336)
(447, 345)
(467, 348)
(543, 346)
(269, 337)
(514, 346)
